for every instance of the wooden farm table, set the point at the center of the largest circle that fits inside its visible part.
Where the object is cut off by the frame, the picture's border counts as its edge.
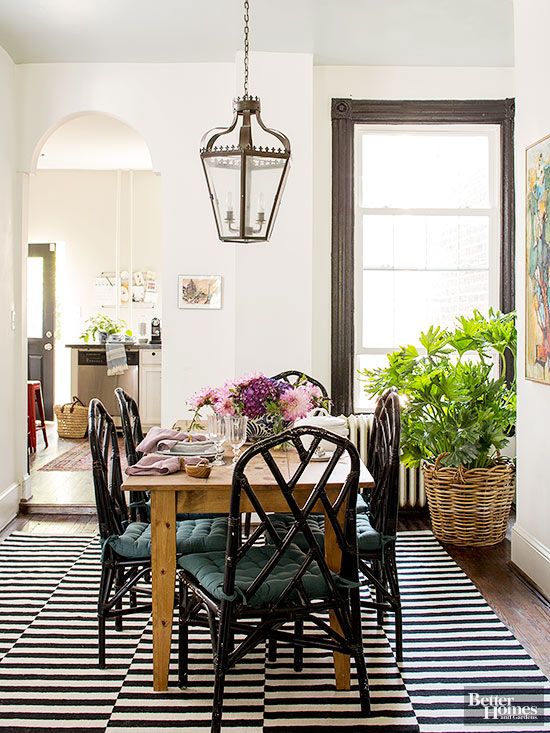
(181, 493)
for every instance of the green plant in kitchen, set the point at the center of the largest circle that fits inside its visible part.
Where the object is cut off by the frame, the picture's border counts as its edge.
(100, 324)
(457, 403)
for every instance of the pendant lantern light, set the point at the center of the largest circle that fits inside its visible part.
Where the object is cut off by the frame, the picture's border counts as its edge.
(246, 165)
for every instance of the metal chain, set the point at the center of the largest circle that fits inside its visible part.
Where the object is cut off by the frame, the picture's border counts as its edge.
(246, 47)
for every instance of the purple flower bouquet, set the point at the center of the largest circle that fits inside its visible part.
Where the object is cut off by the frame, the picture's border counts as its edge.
(270, 405)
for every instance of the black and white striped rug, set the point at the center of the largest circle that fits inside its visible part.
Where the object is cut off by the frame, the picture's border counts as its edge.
(49, 680)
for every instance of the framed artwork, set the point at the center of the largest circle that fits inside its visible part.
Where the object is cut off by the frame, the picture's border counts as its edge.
(537, 242)
(200, 291)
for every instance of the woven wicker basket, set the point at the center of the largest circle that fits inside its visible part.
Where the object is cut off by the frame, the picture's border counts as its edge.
(469, 507)
(72, 419)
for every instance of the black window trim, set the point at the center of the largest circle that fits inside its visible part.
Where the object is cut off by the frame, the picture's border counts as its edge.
(346, 113)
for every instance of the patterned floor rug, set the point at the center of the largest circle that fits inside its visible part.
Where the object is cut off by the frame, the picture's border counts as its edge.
(78, 458)
(49, 680)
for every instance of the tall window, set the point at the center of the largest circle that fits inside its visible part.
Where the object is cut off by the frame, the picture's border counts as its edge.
(427, 232)
(422, 223)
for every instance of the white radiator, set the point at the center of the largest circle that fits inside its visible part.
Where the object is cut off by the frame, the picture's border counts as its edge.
(411, 480)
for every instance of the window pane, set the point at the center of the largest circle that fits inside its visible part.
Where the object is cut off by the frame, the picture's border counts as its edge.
(398, 305)
(367, 361)
(35, 297)
(419, 170)
(433, 242)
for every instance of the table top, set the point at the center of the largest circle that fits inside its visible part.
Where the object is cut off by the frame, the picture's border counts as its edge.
(258, 474)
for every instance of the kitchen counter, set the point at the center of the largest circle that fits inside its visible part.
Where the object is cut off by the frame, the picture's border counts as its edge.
(102, 346)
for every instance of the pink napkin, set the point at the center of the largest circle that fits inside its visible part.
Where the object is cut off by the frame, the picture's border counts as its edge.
(154, 464)
(165, 438)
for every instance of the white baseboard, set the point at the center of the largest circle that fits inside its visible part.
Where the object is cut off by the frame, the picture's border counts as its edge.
(9, 504)
(532, 558)
(26, 487)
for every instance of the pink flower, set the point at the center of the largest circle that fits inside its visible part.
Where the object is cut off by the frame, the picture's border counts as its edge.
(224, 404)
(203, 397)
(295, 403)
(314, 391)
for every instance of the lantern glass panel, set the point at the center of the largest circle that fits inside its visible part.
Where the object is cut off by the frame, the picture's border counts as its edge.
(263, 176)
(224, 179)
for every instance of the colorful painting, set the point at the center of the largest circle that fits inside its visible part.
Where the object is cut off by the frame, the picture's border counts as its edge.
(200, 291)
(537, 239)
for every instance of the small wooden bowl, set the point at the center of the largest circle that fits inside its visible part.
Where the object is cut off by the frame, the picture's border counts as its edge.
(202, 471)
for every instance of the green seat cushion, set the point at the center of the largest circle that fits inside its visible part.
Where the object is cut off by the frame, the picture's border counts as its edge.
(283, 522)
(208, 570)
(368, 539)
(192, 535)
(362, 505)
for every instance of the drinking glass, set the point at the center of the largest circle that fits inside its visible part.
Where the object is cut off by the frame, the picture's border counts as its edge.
(235, 430)
(217, 433)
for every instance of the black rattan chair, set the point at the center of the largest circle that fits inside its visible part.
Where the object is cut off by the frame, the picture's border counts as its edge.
(377, 529)
(119, 574)
(126, 546)
(277, 583)
(292, 376)
(132, 433)
(377, 525)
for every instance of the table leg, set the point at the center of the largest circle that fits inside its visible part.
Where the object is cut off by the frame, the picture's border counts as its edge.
(163, 577)
(333, 557)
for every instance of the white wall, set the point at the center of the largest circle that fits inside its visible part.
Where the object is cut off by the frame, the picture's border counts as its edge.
(266, 290)
(373, 82)
(10, 383)
(531, 534)
(273, 313)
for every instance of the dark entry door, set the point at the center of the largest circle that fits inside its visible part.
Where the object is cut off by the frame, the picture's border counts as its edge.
(41, 319)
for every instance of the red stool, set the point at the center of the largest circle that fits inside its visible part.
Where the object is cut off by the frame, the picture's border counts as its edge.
(34, 400)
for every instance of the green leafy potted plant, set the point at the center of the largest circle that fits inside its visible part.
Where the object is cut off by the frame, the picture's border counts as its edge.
(100, 326)
(458, 413)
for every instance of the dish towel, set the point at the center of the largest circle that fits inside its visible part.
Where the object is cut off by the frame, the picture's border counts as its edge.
(165, 438)
(154, 465)
(116, 358)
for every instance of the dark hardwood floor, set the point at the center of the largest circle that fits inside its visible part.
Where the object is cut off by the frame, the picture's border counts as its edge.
(523, 610)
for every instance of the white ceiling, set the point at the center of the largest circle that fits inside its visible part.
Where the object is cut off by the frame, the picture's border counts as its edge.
(370, 32)
(95, 142)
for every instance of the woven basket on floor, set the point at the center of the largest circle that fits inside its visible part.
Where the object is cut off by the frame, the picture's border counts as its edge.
(72, 419)
(469, 506)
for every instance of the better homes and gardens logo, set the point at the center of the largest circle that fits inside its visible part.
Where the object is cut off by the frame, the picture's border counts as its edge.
(503, 706)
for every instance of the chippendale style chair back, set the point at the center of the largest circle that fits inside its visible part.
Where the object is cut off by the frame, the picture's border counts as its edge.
(383, 464)
(292, 376)
(279, 582)
(112, 511)
(131, 425)
(132, 433)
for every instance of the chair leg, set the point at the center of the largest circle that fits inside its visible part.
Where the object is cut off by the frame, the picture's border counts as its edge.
(359, 655)
(42, 414)
(220, 666)
(272, 650)
(393, 580)
(183, 637)
(105, 586)
(381, 575)
(247, 523)
(298, 649)
(119, 582)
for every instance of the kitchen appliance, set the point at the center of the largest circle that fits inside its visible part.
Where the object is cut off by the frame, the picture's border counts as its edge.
(155, 331)
(93, 380)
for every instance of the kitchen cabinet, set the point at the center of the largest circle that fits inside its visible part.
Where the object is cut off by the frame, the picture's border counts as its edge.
(150, 385)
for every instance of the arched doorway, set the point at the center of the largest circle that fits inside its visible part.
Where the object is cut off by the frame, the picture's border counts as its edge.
(93, 265)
